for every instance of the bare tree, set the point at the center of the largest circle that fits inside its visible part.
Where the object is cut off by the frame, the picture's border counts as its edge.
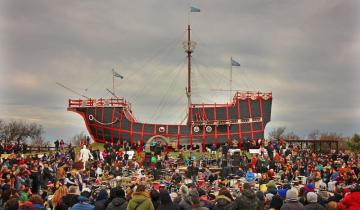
(331, 136)
(277, 133)
(291, 136)
(19, 131)
(314, 135)
(38, 141)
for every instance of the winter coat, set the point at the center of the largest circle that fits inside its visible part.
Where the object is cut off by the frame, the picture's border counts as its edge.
(171, 206)
(117, 204)
(350, 202)
(38, 206)
(222, 203)
(185, 203)
(142, 200)
(247, 201)
(82, 206)
(314, 206)
(200, 208)
(70, 199)
(276, 202)
(101, 199)
(292, 205)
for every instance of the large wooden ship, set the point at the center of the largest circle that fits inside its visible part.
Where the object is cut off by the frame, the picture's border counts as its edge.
(242, 119)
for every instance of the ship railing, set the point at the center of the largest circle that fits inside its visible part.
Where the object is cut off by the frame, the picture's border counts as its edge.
(253, 95)
(112, 102)
(228, 122)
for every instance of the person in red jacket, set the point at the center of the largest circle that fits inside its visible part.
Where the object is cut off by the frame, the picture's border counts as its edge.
(351, 201)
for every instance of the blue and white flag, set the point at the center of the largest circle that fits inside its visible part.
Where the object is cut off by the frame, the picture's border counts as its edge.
(194, 9)
(234, 63)
(118, 75)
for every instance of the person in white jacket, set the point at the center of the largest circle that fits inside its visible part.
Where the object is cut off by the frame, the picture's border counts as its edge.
(85, 155)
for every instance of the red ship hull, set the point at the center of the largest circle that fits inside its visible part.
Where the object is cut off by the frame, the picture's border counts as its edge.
(242, 120)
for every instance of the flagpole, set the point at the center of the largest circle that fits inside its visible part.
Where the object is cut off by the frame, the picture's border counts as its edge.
(113, 80)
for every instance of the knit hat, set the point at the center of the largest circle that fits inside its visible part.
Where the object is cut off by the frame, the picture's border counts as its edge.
(269, 196)
(271, 184)
(263, 188)
(292, 194)
(311, 197)
(184, 190)
(194, 196)
(323, 187)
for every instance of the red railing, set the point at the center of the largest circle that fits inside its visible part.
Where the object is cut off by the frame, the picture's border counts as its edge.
(252, 95)
(112, 102)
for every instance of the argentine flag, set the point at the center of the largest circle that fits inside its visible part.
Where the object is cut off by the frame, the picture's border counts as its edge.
(194, 9)
(234, 63)
(118, 75)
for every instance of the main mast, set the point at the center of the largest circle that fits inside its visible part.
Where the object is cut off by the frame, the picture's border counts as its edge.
(189, 48)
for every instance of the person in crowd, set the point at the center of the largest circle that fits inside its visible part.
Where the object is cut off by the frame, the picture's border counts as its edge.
(37, 202)
(72, 197)
(312, 199)
(117, 200)
(224, 200)
(351, 201)
(140, 200)
(58, 195)
(292, 201)
(247, 200)
(155, 198)
(83, 203)
(101, 199)
(195, 201)
(185, 199)
(250, 175)
(166, 202)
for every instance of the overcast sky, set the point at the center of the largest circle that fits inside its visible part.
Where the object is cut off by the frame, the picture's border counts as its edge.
(306, 52)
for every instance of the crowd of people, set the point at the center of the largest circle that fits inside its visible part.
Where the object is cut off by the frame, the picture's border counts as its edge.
(278, 176)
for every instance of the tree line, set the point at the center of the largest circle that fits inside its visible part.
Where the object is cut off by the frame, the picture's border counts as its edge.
(18, 131)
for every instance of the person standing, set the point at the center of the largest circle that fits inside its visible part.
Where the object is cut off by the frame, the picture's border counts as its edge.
(85, 155)
(62, 144)
(57, 144)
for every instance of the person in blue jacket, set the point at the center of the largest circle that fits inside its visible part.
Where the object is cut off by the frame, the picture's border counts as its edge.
(250, 176)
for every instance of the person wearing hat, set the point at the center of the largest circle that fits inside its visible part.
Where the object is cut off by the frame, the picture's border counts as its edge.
(185, 201)
(292, 201)
(140, 200)
(312, 199)
(323, 194)
(223, 200)
(195, 201)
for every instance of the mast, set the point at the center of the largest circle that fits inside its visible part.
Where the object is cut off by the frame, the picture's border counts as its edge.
(188, 50)
(189, 47)
(113, 81)
(230, 82)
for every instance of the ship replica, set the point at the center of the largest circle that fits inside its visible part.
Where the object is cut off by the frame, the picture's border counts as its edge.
(242, 120)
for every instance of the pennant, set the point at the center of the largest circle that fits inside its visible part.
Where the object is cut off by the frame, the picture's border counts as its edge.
(118, 75)
(194, 9)
(234, 63)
